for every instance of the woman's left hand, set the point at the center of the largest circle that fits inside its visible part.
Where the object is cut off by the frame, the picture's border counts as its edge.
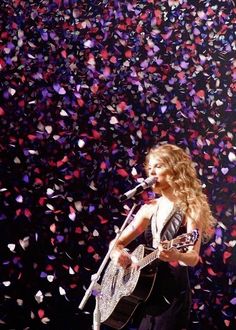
(168, 255)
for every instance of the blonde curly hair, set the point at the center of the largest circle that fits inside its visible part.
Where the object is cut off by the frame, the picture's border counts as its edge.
(187, 188)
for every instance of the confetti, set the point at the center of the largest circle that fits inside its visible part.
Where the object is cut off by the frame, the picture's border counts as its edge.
(62, 291)
(87, 88)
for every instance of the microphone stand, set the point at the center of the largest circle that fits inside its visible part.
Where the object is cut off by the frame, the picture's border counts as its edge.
(95, 288)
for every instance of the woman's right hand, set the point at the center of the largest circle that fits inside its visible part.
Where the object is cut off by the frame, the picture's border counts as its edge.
(121, 258)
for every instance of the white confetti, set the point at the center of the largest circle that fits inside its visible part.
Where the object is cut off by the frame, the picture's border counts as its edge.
(39, 297)
(71, 271)
(50, 207)
(134, 171)
(48, 129)
(113, 120)
(201, 14)
(219, 102)
(50, 278)
(24, 242)
(85, 229)
(139, 134)
(202, 58)
(63, 113)
(232, 156)
(81, 143)
(218, 240)
(224, 170)
(19, 302)
(11, 91)
(50, 191)
(78, 206)
(11, 247)
(95, 233)
(92, 186)
(222, 225)
(7, 50)
(31, 56)
(33, 152)
(211, 120)
(109, 107)
(62, 291)
(45, 320)
(88, 44)
(232, 243)
(19, 199)
(72, 216)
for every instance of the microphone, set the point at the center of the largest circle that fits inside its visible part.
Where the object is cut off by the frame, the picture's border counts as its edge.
(139, 188)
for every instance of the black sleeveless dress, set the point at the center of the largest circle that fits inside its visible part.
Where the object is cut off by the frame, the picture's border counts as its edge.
(168, 307)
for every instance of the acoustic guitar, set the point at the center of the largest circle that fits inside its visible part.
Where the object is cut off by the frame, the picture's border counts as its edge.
(122, 290)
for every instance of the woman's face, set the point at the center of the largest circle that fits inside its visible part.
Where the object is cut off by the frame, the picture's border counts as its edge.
(160, 171)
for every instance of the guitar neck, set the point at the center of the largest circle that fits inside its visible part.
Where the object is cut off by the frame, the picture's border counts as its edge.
(179, 243)
(148, 259)
(151, 257)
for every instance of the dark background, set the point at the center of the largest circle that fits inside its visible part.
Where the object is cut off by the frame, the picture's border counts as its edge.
(87, 87)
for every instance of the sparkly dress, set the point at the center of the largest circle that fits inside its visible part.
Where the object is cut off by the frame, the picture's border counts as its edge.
(168, 307)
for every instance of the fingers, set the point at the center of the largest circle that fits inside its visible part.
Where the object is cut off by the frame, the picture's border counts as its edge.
(124, 261)
(134, 264)
(168, 255)
(163, 256)
(121, 258)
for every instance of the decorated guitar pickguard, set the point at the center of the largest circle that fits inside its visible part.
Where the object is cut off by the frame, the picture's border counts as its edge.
(117, 283)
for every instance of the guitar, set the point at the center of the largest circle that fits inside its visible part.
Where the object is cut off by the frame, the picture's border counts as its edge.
(122, 290)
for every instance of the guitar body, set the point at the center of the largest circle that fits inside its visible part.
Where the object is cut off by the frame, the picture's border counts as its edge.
(122, 290)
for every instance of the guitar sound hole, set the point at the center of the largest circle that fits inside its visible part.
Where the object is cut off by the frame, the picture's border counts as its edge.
(114, 281)
(127, 275)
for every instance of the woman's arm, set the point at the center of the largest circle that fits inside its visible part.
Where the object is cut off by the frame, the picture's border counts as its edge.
(189, 258)
(133, 230)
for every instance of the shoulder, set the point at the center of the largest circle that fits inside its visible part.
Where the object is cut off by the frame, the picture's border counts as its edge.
(149, 208)
(143, 216)
(194, 222)
(195, 217)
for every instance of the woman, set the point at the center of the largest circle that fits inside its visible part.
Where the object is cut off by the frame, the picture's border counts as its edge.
(181, 207)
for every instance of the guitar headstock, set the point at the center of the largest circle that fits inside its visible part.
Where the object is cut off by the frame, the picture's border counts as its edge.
(183, 241)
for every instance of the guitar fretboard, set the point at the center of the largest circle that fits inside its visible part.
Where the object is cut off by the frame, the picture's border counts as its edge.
(151, 256)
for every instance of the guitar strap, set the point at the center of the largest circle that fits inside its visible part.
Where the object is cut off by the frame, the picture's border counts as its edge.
(170, 227)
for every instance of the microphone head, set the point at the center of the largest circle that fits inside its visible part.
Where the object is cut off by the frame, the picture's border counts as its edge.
(138, 189)
(150, 180)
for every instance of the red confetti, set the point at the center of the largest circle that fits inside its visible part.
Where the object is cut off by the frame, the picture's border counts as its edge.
(2, 112)
(41, 313)
(122, 172)
(90, 249)
(226, 255)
